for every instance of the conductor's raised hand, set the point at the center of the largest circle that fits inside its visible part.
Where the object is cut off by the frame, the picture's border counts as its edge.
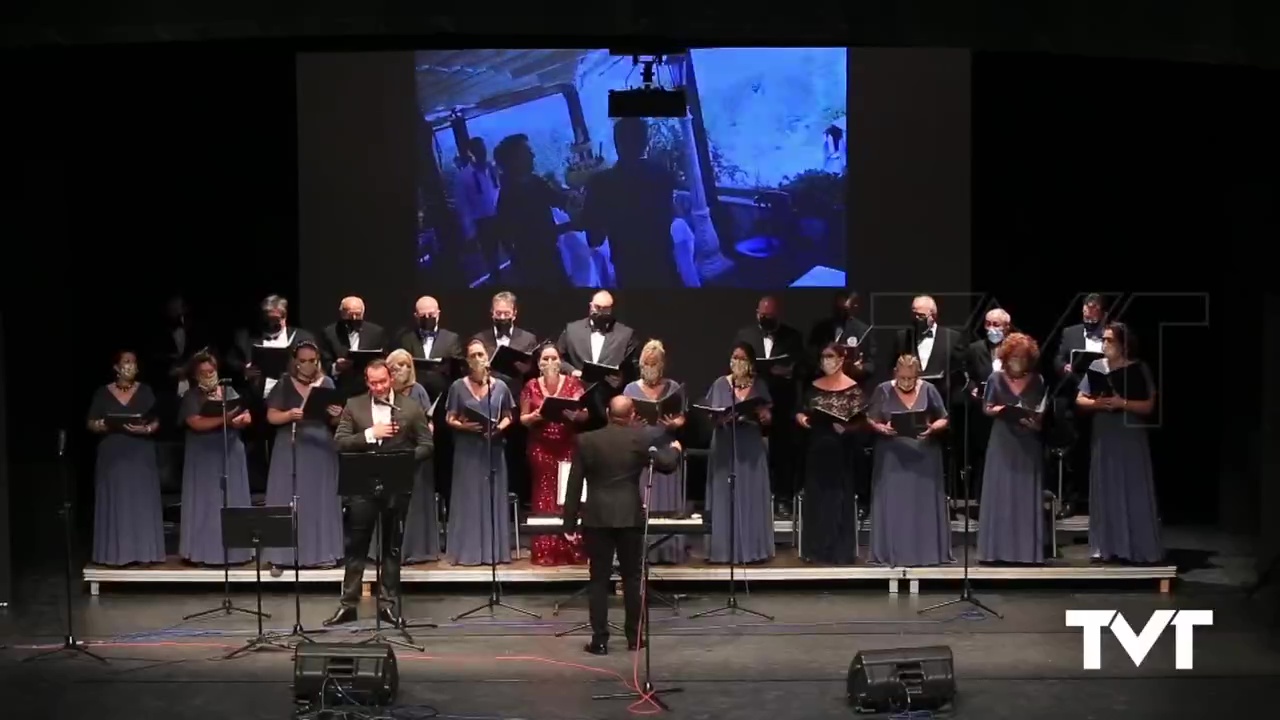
(382, 431)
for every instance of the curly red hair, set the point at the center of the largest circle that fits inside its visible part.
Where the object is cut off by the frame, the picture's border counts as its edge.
(1019, 344)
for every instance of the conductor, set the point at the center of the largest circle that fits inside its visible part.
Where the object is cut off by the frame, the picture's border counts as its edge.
(615, 458)
(382, 421)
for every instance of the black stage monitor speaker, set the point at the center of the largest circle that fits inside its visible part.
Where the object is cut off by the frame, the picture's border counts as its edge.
(902, 679)
(345, 674)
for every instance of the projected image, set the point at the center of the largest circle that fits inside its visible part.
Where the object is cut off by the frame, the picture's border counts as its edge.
(525, 180)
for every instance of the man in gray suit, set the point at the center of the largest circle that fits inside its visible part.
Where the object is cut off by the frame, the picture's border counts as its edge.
(378, 421)
(614, 461)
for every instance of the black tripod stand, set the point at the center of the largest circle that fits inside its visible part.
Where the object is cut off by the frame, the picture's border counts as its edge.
(298, 632)
(490, 425)
(731, 602)
(69, 641)
(966, 588)
(646, 691)
(226, 607)
(256, 528)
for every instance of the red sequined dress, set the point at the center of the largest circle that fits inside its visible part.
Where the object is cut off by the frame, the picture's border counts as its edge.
(550, 443)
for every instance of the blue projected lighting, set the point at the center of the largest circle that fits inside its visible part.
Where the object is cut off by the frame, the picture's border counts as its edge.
(525, 181)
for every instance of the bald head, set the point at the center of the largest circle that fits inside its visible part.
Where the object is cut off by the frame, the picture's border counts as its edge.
(621, 410)
(425, 306)
(602, 301)
(351, 308)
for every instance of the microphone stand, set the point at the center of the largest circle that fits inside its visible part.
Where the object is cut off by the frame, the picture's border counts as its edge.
(646, 690)
(69, 641)
(495, 588)
(226, 607)
(731, 603)
(966, 589)
(298, 631)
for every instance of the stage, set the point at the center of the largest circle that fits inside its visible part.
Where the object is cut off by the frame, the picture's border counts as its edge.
(1072, 566)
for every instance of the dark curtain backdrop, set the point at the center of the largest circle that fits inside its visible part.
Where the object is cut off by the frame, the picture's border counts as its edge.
(143, 171)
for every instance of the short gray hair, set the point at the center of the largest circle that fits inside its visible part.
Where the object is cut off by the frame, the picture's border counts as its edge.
(999, 315)
(276, 302)
(504, 297)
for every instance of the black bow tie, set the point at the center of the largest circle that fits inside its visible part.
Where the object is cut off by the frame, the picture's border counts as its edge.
(427, 333)
(926, 333)
(500, 334)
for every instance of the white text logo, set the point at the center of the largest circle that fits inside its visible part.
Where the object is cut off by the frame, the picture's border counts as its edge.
(1137, 645)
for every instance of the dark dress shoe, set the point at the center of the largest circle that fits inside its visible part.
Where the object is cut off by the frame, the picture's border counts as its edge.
(389, 618)
(596, 648)
(634, 645)
(343, 615)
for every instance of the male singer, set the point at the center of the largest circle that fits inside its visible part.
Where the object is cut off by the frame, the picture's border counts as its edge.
(378, 421)
(600, 338)
(614, 461)
(350, 332)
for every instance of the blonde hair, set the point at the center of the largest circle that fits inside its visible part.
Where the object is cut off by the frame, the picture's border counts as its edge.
(403, 356)
(654, 349)
(910, 362)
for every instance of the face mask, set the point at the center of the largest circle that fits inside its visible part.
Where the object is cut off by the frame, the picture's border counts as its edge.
(602, 321)
(126, 372)
(549, 367)
(920, 324)
(1091, 326)
(906, 384)
(840, 312)
(831, 366)
(651, 374)
(995, 336)
(400, 373)
(739, 368)
(209, 384)
(354, 324)
(273, 326)
(307, 372)
(428, 324)
(768, 324)
(1016, 367)
(477, 364)
(503, 326)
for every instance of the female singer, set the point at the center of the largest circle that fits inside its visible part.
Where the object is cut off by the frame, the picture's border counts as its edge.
(319, 507)
(478, 515)
(753, 506)
(128, 526)
(1012, 502)
(1124, 522)
(830, 506)
(909, 525)
(422, 523)
(550, 443)
(668, 494)
(209, 455)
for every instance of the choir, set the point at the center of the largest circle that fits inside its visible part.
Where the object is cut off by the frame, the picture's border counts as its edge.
(505, 409)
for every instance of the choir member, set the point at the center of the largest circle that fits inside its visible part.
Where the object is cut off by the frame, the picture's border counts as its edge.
(350, 332)
(311, 442)
(422, 522)
(831, 507)
(1074, 427)
(165, 362)
(524, 222)
(1012, 505)
(844, 327)
(782, 352)
(753, 516)
(128, 526)
(551, 442)
(1124, 522)
(213, 452)
(275, 331)
(601, 339)
(478, 510)
(980, 360)
(428, 339)
(503, 311)
(669, 494)
(909, 525)
(941, 354)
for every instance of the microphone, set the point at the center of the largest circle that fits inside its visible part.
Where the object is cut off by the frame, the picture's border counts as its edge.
(62, 443)
(652, 451)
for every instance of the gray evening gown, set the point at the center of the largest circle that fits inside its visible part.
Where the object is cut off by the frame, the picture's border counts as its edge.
(422, 521)
(830, 528)
(909, 526)
(200, 530)
(1011, 520)
(1124, 521)
(476, 517)
(128, 524)
(319, 507)
(669, 497)
(752, 502)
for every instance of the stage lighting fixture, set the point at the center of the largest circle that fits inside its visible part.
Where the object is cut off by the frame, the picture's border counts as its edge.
(902, 680)
(335, 674)
(651, 99)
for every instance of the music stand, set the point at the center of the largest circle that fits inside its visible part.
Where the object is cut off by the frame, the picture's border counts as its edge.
(384, 477)
(255, 528)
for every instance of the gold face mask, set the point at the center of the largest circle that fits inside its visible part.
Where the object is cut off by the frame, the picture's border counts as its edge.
(126, 372)
(650, 374)
(549, 368)
(739, 368)
(208, 384)
(906, 384)
(477, 364)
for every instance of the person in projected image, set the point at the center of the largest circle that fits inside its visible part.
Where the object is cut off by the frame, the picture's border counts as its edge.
(525, 223)
(475, 191)
(630, 205)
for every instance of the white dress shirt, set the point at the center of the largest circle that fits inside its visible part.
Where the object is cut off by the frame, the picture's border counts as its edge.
(996, 365)
(381, 414)
(428, 342)
(924, 348)
(597, 346)
(283, 338)
(1092, 343)
(180, 344)
(768, 346)
(500, 339)
(353, 341)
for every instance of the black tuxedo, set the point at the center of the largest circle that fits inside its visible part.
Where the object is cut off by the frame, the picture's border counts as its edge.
(241, 351)
(784, 391)
(613, 462)
(365, 511)
(620, 349)
(946, 359)
(335, 344)
(1073, 338)
(161, 356)
(1071, 429)
(446, 345)
(522, 340)
(845, 331)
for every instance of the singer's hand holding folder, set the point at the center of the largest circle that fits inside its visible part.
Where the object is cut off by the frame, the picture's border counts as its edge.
(318, 401)
(212, 407)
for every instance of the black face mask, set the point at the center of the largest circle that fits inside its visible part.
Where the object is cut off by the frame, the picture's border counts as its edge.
(428, 324)
(767, 323)
(503, 326)
(272, 326)
(353, 324)
(920, 324)
(602, 322)
(1091, 326)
